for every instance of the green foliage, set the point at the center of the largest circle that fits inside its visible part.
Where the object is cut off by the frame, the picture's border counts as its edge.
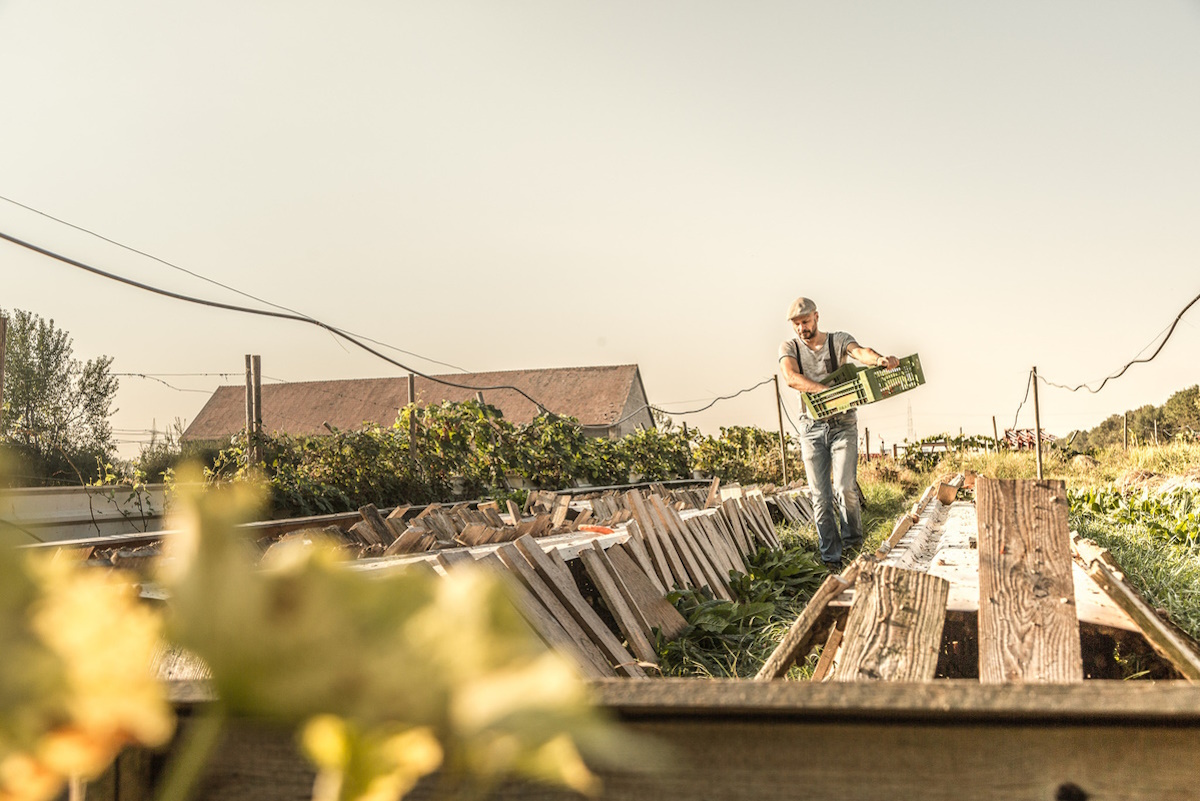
(56, 408)
(469, 450)
(734, 638)
(925, 454)
(1178, 418)
(1173, 516)
(745, 454)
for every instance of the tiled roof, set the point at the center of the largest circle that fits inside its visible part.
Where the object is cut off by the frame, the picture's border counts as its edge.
(596, 396)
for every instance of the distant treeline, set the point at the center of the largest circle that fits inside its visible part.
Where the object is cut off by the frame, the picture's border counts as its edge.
(1178, 418)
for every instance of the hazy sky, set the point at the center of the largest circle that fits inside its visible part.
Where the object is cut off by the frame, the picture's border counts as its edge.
(507, 185)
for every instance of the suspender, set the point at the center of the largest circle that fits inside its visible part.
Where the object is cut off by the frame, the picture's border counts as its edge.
(831, 359)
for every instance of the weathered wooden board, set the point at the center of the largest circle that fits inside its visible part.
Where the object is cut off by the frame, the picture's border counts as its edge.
(592, 658)
(800, 638)
(761, 741)
(648, 598)
(568, 594)
(627, 619)
(1028, 629)
(894, 632)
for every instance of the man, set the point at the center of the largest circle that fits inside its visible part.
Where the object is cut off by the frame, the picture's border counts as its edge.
(829, 446)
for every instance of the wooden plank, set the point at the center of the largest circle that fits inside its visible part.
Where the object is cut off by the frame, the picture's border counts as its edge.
(734, 520)
(627, 620)
(514, 512)
(1098, 564)
(714, 494)
(723, 548)
(1028, 629)
(365, 533)
(699, 577)
(589, 652)
(568, 594)
(667, 559)
(798, 641)
(825, 661)
(544, 624)
(619, 580)
(894, 632)
(659, 613)
(454, 557)
(637, 550)
(759, 504)
(407, 542)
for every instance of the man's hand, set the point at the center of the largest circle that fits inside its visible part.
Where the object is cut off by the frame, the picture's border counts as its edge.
(888, 362)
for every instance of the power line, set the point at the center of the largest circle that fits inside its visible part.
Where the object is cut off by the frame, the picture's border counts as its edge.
(1129, 364)
(164, 383)
(258, 312)
(212, 281)
(1028, 384)
(714, 402)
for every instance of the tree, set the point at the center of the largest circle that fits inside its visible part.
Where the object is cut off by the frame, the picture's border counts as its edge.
(56, 409)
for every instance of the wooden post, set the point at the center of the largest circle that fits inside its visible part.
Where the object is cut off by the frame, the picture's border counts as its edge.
(867, 442)
(1125, 434)
(412, 416)
(1155, 427)
(782, 434)
(995, 433)
(479, 397)
(1037, 426)
(253, 410)
(895, 452)
(250, 460)
(3, 350)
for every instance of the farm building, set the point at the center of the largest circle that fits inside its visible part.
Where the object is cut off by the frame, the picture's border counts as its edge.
(609, 401)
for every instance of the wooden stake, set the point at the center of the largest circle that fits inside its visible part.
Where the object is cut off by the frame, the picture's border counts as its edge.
(995, 433)
(1037, 426)
(782, 433)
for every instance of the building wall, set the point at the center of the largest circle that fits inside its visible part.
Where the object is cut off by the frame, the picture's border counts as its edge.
(642, 419)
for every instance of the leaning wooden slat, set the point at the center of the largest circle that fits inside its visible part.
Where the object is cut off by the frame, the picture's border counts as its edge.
(716, 578)
(666, 563)
(631, 600)
(715, 553)
(731, 559)
(365, 533)
(546, 625)
(654, 526)
(514, 512)
(714, 494)
(1028, 629)
(628, 621)
(720, 523)
(750, 521)
(540, 588)
(903, 524)
(453, 557)
(733, 519)
(636, 545)
(568, 593)
(825, 661)
(796, 644)
(759, 503)
(1097, 563)
(695, 566)
(562, 505)
(894, 632)
(399, 512)
(659, 612)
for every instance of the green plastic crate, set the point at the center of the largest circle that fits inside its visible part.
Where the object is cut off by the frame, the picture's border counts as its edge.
(857, 386)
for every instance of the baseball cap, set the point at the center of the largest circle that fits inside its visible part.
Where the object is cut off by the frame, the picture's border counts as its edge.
(801, 307)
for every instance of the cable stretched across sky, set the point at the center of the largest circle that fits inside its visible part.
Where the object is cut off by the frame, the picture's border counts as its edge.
(213, 281)
(300, 318)
(707, 406)
(1130, 363)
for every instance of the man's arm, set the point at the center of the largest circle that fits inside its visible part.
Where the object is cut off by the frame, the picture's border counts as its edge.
(796, 379)
(870, 357)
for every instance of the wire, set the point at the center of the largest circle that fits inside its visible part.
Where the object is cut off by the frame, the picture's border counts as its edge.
(261, 313)
(212, 281)
(1028, 384)
(164, 383)
(714, 402)
(1121, 372)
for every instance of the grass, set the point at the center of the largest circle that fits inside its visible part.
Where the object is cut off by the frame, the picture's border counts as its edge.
(1166, 572)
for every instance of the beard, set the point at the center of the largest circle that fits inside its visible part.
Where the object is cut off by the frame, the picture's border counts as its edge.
(808, 333)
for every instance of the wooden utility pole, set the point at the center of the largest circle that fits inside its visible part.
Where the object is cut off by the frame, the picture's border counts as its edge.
(995, 433)
(1125, 433)
(867, 442)
(782, 434)
(253, 410)
(3, 350)
(412, 416)
(1037, 426)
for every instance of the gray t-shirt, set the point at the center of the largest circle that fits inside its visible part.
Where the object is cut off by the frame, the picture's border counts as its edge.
(815, 364)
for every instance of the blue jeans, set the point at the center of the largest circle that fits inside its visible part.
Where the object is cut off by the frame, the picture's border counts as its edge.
(830, 451)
